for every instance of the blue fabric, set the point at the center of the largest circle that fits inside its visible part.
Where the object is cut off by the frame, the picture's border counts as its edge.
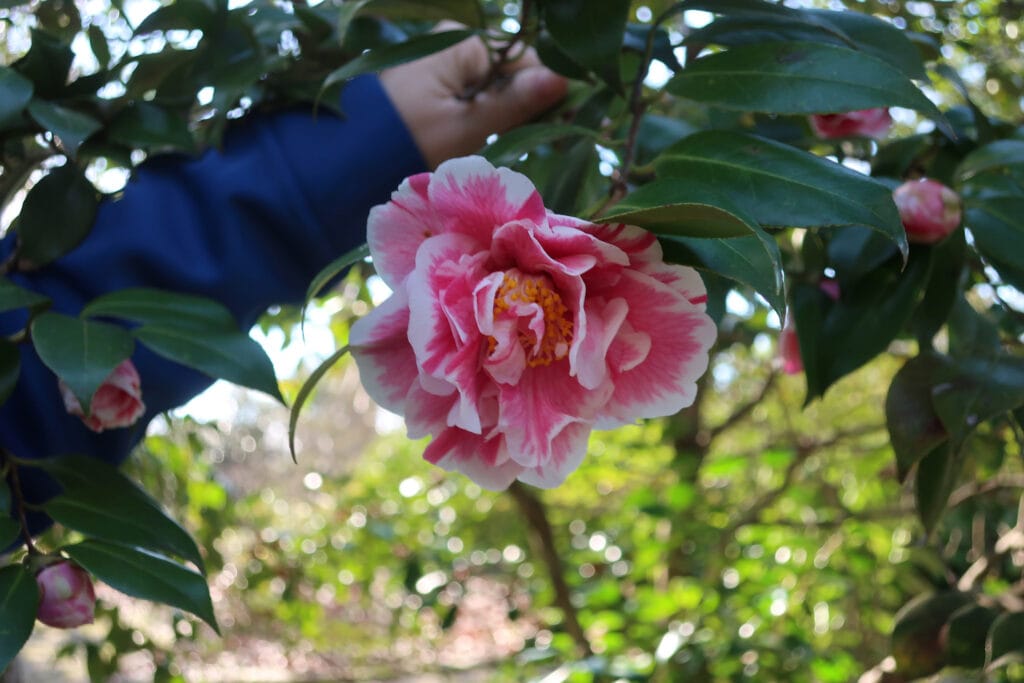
(249, 225)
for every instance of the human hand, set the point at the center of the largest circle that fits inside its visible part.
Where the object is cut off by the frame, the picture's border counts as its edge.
(428, 95)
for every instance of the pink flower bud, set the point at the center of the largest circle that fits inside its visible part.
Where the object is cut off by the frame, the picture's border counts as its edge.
(830, 288)
(868, 123)
(66, 595)
(117, 402)
(929, 210)
(789, 350)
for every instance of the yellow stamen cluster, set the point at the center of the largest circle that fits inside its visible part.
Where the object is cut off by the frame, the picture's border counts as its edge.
(557, 324)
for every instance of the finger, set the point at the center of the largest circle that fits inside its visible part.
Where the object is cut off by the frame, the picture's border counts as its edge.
(531, 90)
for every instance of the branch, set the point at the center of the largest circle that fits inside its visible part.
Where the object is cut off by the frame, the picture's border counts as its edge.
(743, 410)
(967, 491)
(543, 539)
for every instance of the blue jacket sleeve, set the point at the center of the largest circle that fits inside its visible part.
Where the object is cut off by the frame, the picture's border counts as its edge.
(249, 225)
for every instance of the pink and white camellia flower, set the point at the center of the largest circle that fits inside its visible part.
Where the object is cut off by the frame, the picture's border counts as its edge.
(513, 331)
(66, 595)
(117, 402)
(868, 123)
(929, 210)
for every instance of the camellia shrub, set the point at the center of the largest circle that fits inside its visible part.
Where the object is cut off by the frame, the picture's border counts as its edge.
(833, 168)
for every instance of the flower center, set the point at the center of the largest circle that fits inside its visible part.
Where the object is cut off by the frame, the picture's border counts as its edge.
(544, 326)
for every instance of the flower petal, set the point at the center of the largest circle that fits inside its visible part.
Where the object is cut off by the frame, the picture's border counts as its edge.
(396, 229)
(381, 349)
(481, 459)
(473, 198)
(570, 446)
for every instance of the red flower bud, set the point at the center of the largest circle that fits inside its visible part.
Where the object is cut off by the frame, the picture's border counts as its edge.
(117, 402)
(789, 350)
(66, 595)
(929, 210)
(869, 123)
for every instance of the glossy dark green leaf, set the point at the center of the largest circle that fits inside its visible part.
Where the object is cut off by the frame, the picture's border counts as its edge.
(10, 368)
(466, 12)
(144, 124)
(336, 268)
(993, 156)
(69, 126)
(47, 64)
(565, 189)
(81, 352)
(57, 215)
(746, 260)
(231, 356)
(13, 297)
(968, 631)
(673, 206)
(1005, 638)
(936, 476)
(306, 390)
(976, 389)
(916, 632)
(392, 55)
(799, 78)
(98, 45)
(837, 328)
(944, 281)
(855, 252)
(590, 33)
(99, 501)
(19, 599)
(346, 13)
(509, 146)
(9, 532)
(996, 223)
(914, 427)
(145, 575)
(972, 334)
(780, 186)
(15, 93)
(160, 307)
(186, 15)
(896, 157)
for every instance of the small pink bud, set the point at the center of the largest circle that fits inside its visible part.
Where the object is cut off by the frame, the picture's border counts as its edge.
(868, 123)
(830, 288)
(789, 350)
(929, 210)
(117, 402)
(66, 595)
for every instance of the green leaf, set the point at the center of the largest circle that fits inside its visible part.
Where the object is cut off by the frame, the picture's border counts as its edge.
(971, 333)
(98, 45)
(187, 15)
(71, 127)
(13, 297)
(147, 576)
(935, 479)
(996, 223)
(947, 267)
(9, 532)
(915, 430)
(10, 368)
(159, 307)
(837, 330)
(590, 33)
(565, 188)
(346, 13)
(335, 268)
(968, 631)
(742, 259)
(917, 630)
(47, 64)
(99, 501)
(993, 156)
(19, 600)
(81, 352)
(976, 389)
(306, 390)
(57, 215)
(232, 356)
(15, 93)
(509, 146)
(392, 55)
(780, 186)
(144, 124)
(672, 206)
(799, 78)
(466, 12)
(5, 497)
(1005, 638)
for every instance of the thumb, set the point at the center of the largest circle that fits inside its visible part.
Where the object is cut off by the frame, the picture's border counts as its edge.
(528, 93)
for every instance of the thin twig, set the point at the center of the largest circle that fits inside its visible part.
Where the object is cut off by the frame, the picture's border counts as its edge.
(743, 410)
(19, 501)
(544, 540)
(499, 58)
